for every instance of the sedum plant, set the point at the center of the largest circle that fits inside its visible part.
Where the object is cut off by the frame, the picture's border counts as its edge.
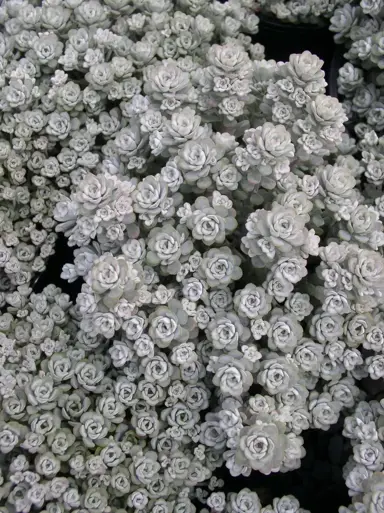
(231, 266)
(301, 11)
(245, 500)
(357, 26)
(363, 472)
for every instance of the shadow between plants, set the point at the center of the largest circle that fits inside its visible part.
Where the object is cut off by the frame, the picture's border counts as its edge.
(63, 255)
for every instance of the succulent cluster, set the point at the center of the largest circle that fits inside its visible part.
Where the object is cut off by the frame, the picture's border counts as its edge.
(48, 122)
(29, 176)
(363, 472)
(246, 500)
(358, 27)
(228, 243)
(301, 11)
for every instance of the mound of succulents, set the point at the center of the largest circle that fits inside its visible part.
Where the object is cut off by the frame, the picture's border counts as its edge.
(229, 251)
(358, 27)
